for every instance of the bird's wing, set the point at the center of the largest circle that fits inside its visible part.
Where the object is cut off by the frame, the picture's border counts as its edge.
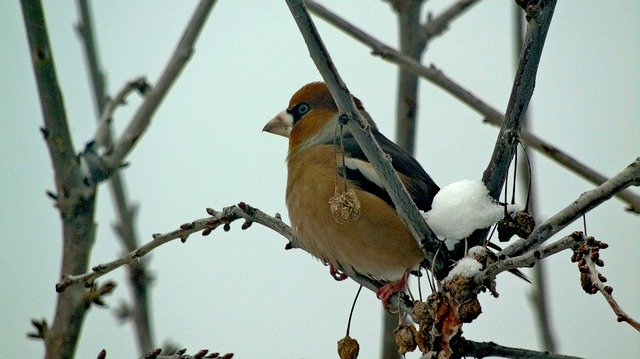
(358, 169)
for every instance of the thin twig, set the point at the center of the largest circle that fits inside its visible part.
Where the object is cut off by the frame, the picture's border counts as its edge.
(490, 113)
(530, 258)
(436, 26)
(587, 201)
(103, 132)
(143, 115)
(206, 225)
(606, 292)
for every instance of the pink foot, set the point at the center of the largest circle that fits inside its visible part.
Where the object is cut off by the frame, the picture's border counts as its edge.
(386, 291)
(336, 274)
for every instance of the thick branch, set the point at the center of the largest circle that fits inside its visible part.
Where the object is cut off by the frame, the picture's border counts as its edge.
(412, 44)
(181, 55)
(587, 201)
(523, 85)
(75, 200)
(491, 114)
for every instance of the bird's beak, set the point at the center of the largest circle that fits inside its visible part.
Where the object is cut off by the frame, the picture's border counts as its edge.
(280, 125)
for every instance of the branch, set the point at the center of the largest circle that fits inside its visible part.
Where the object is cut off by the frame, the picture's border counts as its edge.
(539, 21)
(74, 199)
(588, 257)
(491, 349)
(181, 354)
(436, 26)
(587, 201)
(491, 114)
(530, 258)
(381, 162)
(181, 55)
(125, 213)
(413, 45)
(103, 135)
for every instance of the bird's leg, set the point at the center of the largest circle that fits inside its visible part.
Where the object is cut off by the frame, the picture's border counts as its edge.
(386, 291)
(337, 274)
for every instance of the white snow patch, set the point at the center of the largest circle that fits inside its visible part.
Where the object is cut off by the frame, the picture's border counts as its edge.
(460, 208)
(512, 209)
(465, 267)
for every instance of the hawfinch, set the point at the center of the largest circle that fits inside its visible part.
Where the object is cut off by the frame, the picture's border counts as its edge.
(323, 163)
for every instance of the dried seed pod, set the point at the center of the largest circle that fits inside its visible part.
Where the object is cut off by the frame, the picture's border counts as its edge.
(469, 310)
(406, 338)
(524, 224)
(345, 206)
(506, 229)
(424, 338)
(348, 348)
(421, 310)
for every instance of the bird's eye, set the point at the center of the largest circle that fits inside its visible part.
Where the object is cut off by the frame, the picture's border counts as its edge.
(303, 108)
(298, 111)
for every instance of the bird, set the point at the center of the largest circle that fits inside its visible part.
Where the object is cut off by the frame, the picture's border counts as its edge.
(324, 161)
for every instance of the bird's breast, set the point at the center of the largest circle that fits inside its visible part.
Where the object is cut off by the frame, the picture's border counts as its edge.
(376, 244)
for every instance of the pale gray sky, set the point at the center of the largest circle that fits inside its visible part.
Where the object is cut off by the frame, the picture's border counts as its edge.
(240, 291)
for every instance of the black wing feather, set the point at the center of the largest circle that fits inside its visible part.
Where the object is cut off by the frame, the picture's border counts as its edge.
(418, 183)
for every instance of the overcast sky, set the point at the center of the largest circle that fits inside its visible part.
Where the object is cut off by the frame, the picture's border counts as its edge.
(240, 291)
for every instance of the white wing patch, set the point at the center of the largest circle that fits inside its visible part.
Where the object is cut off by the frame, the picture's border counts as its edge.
(365, 168)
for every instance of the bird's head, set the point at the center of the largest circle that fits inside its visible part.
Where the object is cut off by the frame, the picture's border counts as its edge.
(310, 114)
(310, 118)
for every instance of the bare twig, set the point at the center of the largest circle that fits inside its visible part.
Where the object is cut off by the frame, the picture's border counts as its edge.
(538, 296)
(412, 44)
(206, 225)
(587, 201)
(491, 114)
(530, 258)
(103, 133)
(437, 25)
(138, 278)
(143, 115)
(588, 257)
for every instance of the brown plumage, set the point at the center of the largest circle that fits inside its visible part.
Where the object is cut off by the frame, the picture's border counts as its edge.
(376, 244)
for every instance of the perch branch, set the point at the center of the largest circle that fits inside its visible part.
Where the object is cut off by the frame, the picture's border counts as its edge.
(587, 201)
(207, 225)
(491, 114)
(143, 115)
